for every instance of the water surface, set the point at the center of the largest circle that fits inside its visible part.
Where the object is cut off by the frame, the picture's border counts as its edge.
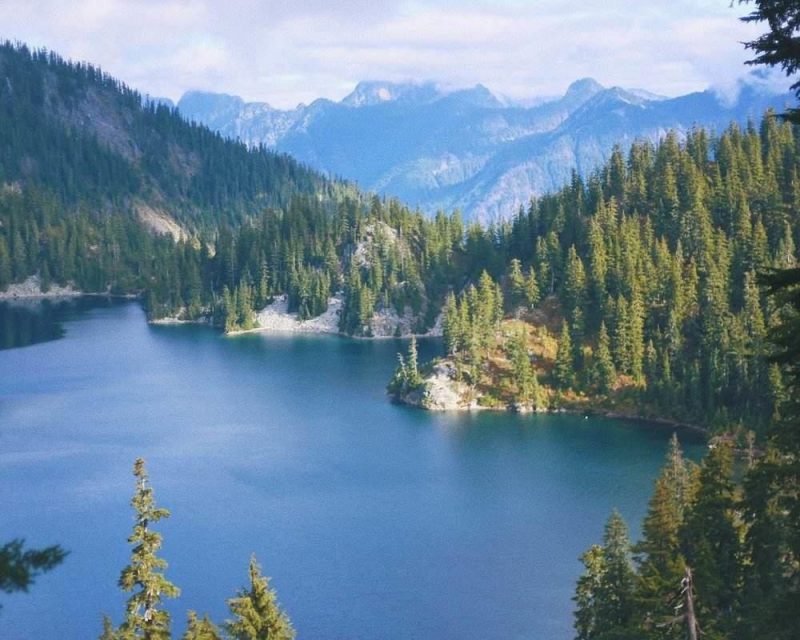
(374, 520)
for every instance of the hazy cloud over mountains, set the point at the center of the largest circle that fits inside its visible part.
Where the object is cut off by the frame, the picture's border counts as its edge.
(288, 52)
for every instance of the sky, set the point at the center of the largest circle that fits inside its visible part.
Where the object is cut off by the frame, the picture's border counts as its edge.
(291, 51)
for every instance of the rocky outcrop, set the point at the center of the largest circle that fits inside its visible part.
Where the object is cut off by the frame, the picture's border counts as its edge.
(385, 323)
(32, 288)
(159, 222)
(440, 391)
(276, 318)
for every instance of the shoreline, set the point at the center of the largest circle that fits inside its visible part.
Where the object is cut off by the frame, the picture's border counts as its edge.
(439, 392)
(5, 297)
(301, 332)
(589, 412)
(170, 320)
(31, 289)
(662, 422)
(297, 328)
(276, 319)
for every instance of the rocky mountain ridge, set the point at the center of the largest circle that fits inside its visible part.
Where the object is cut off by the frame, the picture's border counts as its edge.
(469, 149)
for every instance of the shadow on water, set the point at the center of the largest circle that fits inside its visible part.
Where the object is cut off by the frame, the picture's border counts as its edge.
(26, 322)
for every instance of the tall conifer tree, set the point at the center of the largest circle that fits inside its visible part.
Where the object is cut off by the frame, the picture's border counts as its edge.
(256, 613)
(144, 577)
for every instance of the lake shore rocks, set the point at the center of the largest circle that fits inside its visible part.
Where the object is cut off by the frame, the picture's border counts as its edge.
(32, 288)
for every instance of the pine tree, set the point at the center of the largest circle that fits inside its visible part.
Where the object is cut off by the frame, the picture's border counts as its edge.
(256, 613)
(200, 629)
(661, 565)
(366, 307)
(144, 576)
(622, 336)
(108, 630)
(616, 603)
(770, 590)
(635, 333)
(587, 593)
(451, 326)
(5, 265)
(412, 363)
(487, 303)
(19, 257)
(563, 371)
(398, 385)
(229, 304)
(771, 497)
(516, 284)
(262, 296)
(19, 567)
(711, 538)
(528, 392)
(604, 595)
(605, 373)
(778, 46)
(771, 503)
(786, 253)
(574, 285)
(598, 270)
(531, 288)
(660, 560)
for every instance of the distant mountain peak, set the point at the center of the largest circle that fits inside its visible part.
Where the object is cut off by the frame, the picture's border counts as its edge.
(211, 97)
(212, 109)
(157, 100)
(447, 147)
(624, 95)
(372, 92)
(478, 96)
(584, 88)
(644, 94)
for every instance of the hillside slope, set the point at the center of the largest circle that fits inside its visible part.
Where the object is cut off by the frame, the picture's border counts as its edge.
(85, 137)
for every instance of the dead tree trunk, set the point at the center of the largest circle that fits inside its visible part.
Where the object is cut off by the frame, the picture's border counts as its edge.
(688, 604)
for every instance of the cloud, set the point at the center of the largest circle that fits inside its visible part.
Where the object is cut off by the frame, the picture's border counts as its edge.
(284, 52)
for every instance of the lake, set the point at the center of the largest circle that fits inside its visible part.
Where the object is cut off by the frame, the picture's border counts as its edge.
(374, 520)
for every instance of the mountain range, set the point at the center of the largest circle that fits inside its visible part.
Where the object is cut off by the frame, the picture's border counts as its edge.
(469, 149)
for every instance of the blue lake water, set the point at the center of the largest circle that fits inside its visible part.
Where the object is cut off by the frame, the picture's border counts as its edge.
(375, 521)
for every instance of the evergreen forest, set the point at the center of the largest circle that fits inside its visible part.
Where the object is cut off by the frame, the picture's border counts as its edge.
(647, 269)
(666, 283)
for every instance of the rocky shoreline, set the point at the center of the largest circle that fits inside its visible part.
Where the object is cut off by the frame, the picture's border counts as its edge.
(32, 288)
(385, 324)
(169, 321)
(440, 392)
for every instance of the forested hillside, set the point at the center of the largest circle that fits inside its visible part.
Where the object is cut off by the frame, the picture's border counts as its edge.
(90, 176)
(88, 171)
(654, 264)
(72, 130)
(638, 289)
(720, 546)
(646, 271)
